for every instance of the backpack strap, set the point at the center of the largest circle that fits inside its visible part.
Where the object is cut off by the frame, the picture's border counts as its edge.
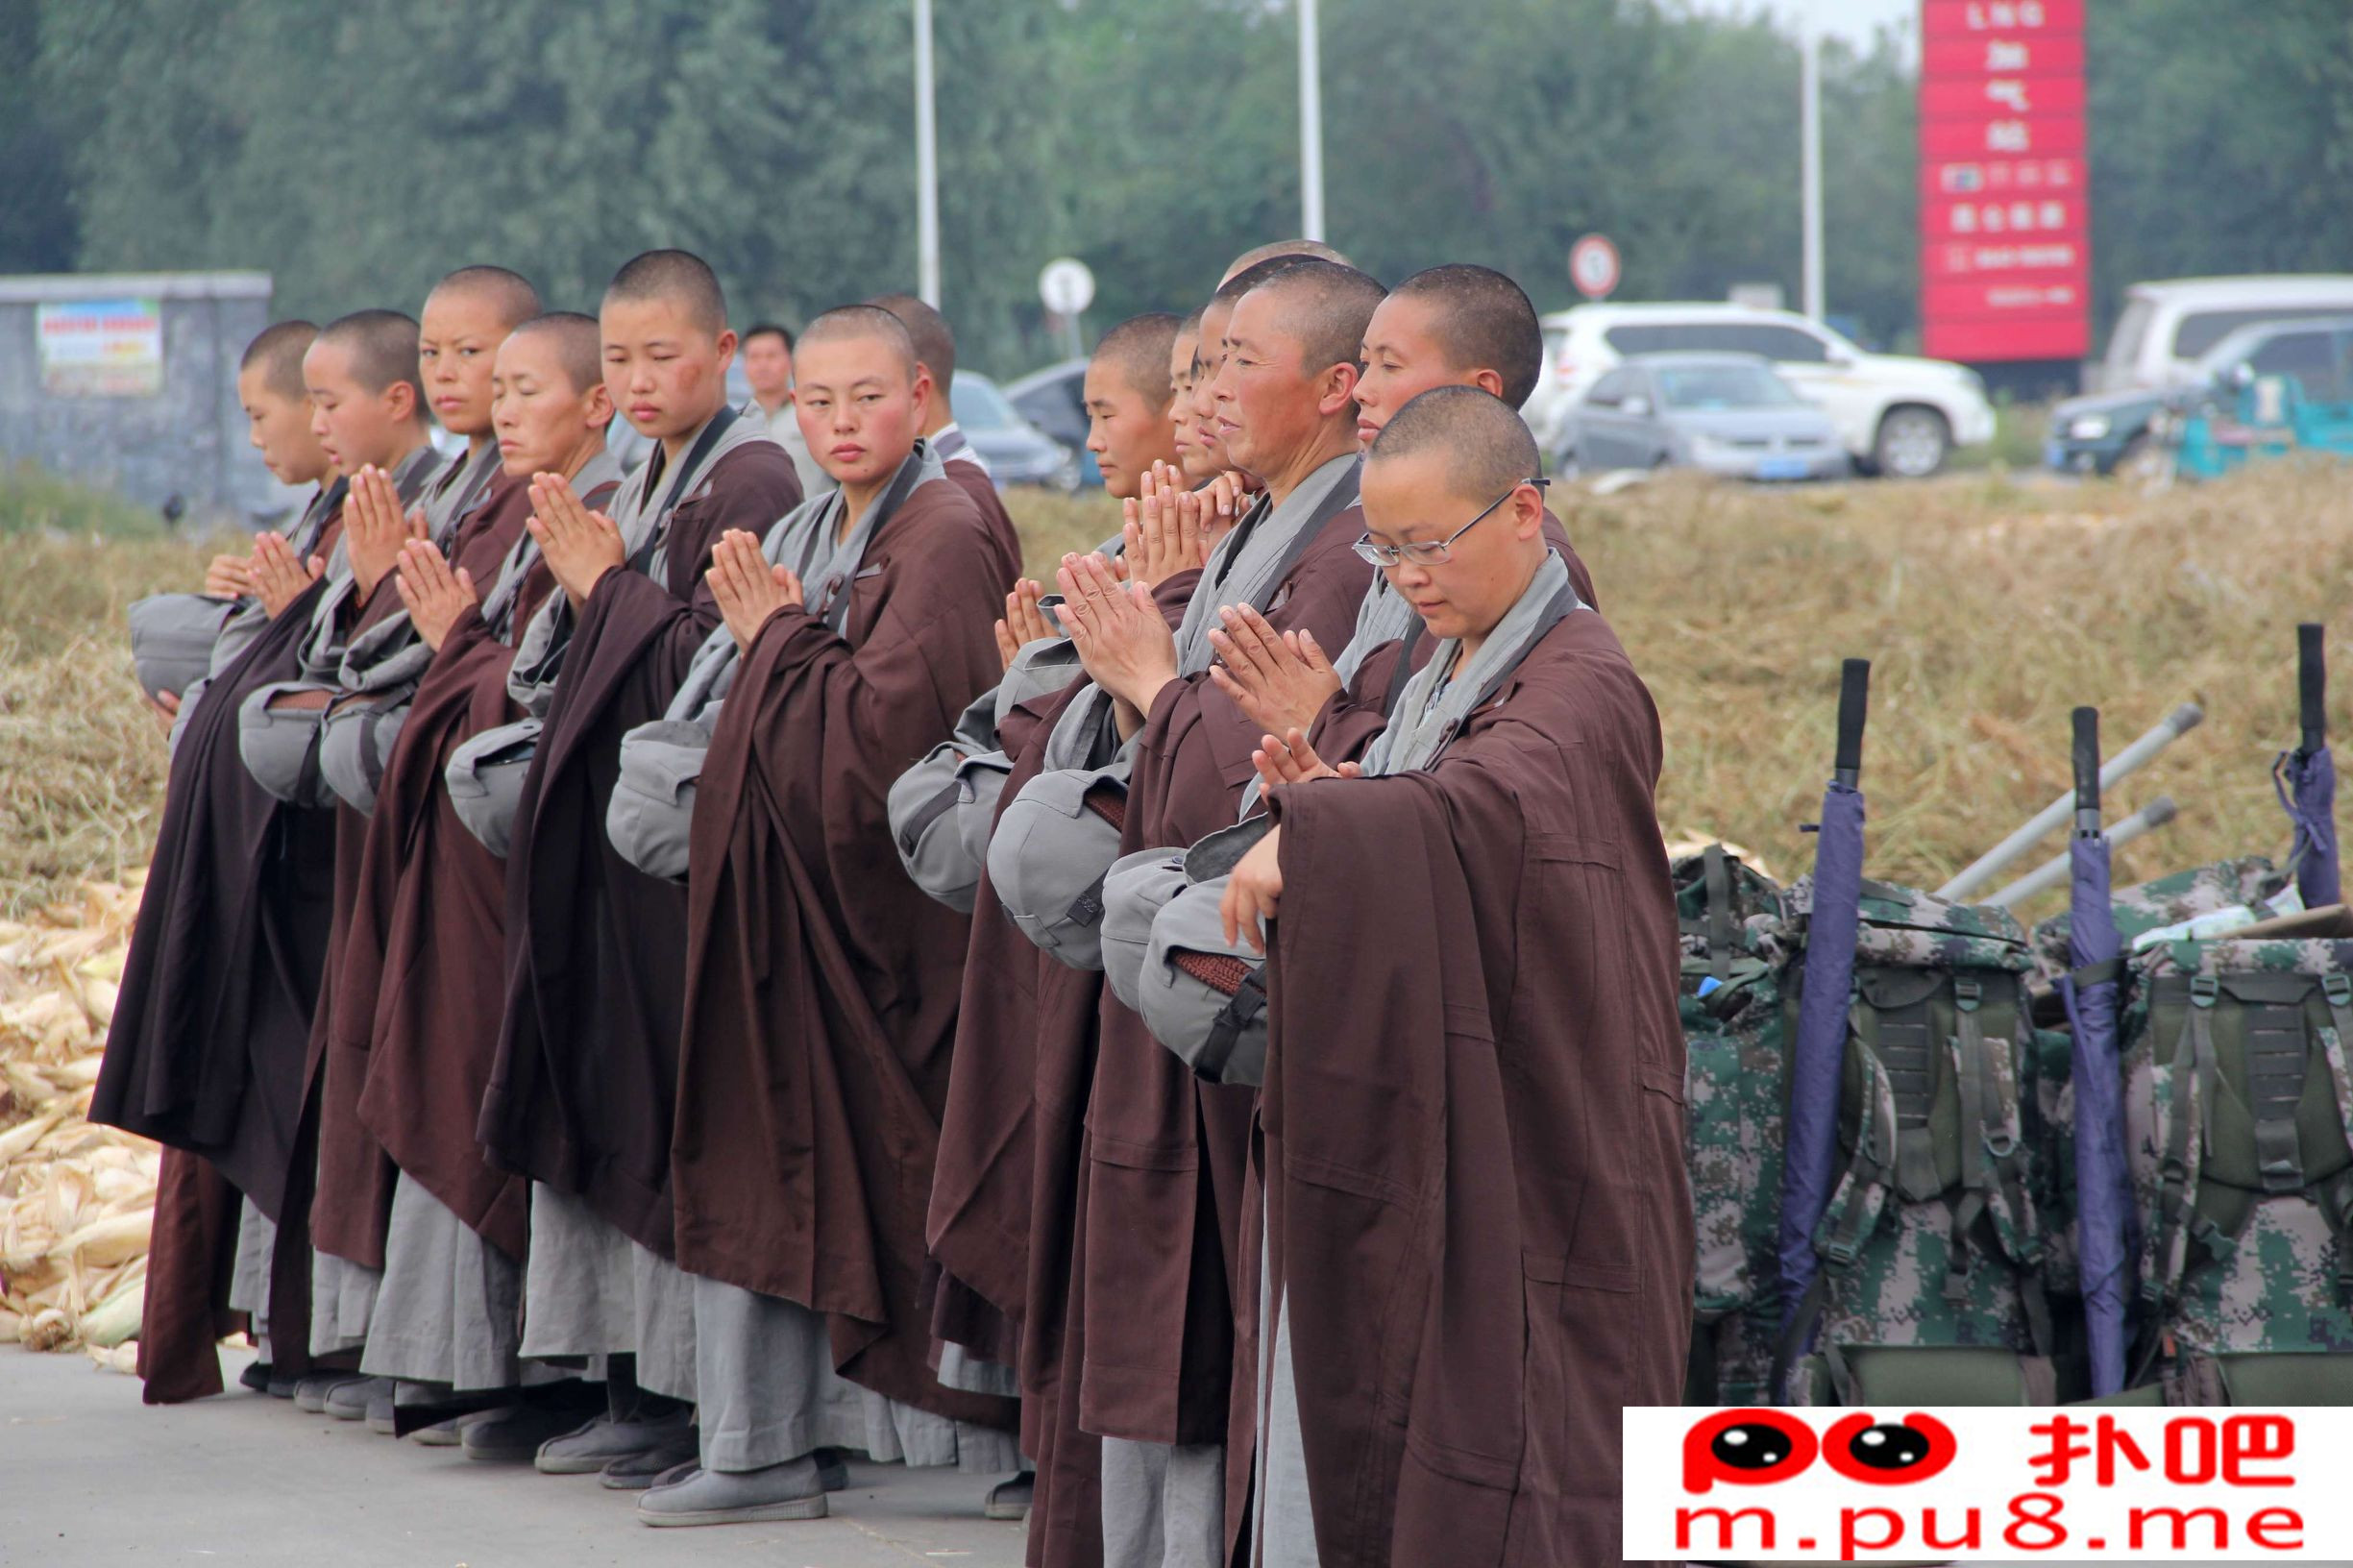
(1719, 876)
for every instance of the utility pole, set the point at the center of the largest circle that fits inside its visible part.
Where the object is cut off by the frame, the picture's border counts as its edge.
(926, 166)
(1310, 127)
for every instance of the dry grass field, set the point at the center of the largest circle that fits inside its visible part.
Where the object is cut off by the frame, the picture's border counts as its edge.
(1988, 606)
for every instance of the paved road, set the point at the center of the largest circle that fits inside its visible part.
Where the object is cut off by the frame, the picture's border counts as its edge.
(89, 1477)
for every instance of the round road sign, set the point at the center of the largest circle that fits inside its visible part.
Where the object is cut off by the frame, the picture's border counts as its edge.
(1066, 285)
(1593, 266)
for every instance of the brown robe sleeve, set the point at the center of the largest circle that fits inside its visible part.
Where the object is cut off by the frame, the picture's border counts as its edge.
(821, 982)
(1484, 1250)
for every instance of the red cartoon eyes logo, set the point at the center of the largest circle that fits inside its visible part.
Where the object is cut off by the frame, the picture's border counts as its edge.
(1760, 1447)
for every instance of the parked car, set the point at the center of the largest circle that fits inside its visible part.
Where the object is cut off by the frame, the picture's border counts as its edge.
(1016, 451)
(2114, 432)
(1726, 413)
(1895, 415)
(1055, 400)
(2293, 396)
(2165, 326)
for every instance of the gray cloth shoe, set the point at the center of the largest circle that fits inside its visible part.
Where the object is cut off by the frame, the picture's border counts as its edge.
(513, 1433)
(790, 1491)
(587, 1448)
(310, 1393)
(637, 1473)
(1010, 1499)
(380, 1416)
(450, 1433)
(350, 1401)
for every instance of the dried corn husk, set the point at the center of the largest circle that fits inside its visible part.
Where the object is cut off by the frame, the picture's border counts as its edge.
(77, 1201)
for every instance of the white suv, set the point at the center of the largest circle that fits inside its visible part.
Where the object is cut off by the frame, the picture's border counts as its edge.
(1895, 415)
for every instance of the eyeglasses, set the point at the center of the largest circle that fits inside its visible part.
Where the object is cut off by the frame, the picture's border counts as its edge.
(1434, 552)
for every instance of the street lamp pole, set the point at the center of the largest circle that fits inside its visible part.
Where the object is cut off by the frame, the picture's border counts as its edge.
(1310, 127)
(1810, 156)
(926, 166)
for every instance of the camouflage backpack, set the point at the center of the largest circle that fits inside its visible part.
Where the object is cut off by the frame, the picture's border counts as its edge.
(1931, 1289)
(2239, 1109)
(1734, 1031)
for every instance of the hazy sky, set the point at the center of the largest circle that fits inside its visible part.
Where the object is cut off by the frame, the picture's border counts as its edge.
(1854, 20)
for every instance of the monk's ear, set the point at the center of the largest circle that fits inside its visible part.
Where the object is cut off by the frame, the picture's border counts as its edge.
(1527, 513)
(1335, 390)
(401, 400)
(1489, 382)
(726, 343)
(597, 407)
(922, 391)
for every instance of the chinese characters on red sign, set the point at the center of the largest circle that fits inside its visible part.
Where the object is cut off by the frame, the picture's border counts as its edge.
(2005, 221)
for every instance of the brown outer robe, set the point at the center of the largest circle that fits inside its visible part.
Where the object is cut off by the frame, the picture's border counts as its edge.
(1001, 1220)
(822, 983)
(973, 480)
(585, 1075)
(1487, 1249)
(1161, 1185)
(236, 893)
(422, 974)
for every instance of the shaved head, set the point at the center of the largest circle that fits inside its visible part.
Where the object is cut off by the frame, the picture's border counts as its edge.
(1259, 253)
(1239, 283)
(935, 343)
(1484, 321)
(1326, 306)
(279, 350)
(383, 345)
(1139, 346)
(577, 343)
(1486, 444)
(680, 278)
(866, 321)
(509, 293)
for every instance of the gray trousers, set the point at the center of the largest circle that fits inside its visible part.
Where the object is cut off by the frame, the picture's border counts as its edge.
(590, 1291)
(1163, 1506)
(770, 1394)
(249, 1278)
(451, 1307)
(342, 1302)
(1283, 1521)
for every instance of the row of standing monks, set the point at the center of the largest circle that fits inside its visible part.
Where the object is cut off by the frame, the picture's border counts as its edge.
(697, 974)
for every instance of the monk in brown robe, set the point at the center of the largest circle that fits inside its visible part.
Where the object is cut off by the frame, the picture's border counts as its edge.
(223, 927)
(1159, 1200)
(418, 995)
(1519, 1199)
(581, 1091)
(360, 663)
(822, 983)
(1447, 326)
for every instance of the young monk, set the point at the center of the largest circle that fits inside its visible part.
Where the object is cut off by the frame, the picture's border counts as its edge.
(822, 984)
(364, 655)
(767, 365)
(582, 1084)
(935, 349)
(1509, 807)
(216, 857)
(1150, 1343)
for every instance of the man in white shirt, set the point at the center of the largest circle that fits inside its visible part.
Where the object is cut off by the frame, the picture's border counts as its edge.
(767, 365)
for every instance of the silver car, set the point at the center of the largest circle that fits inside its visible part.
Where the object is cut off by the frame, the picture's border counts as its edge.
(1724, 413)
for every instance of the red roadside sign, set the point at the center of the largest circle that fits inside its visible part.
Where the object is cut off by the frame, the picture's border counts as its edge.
(1593, 266)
